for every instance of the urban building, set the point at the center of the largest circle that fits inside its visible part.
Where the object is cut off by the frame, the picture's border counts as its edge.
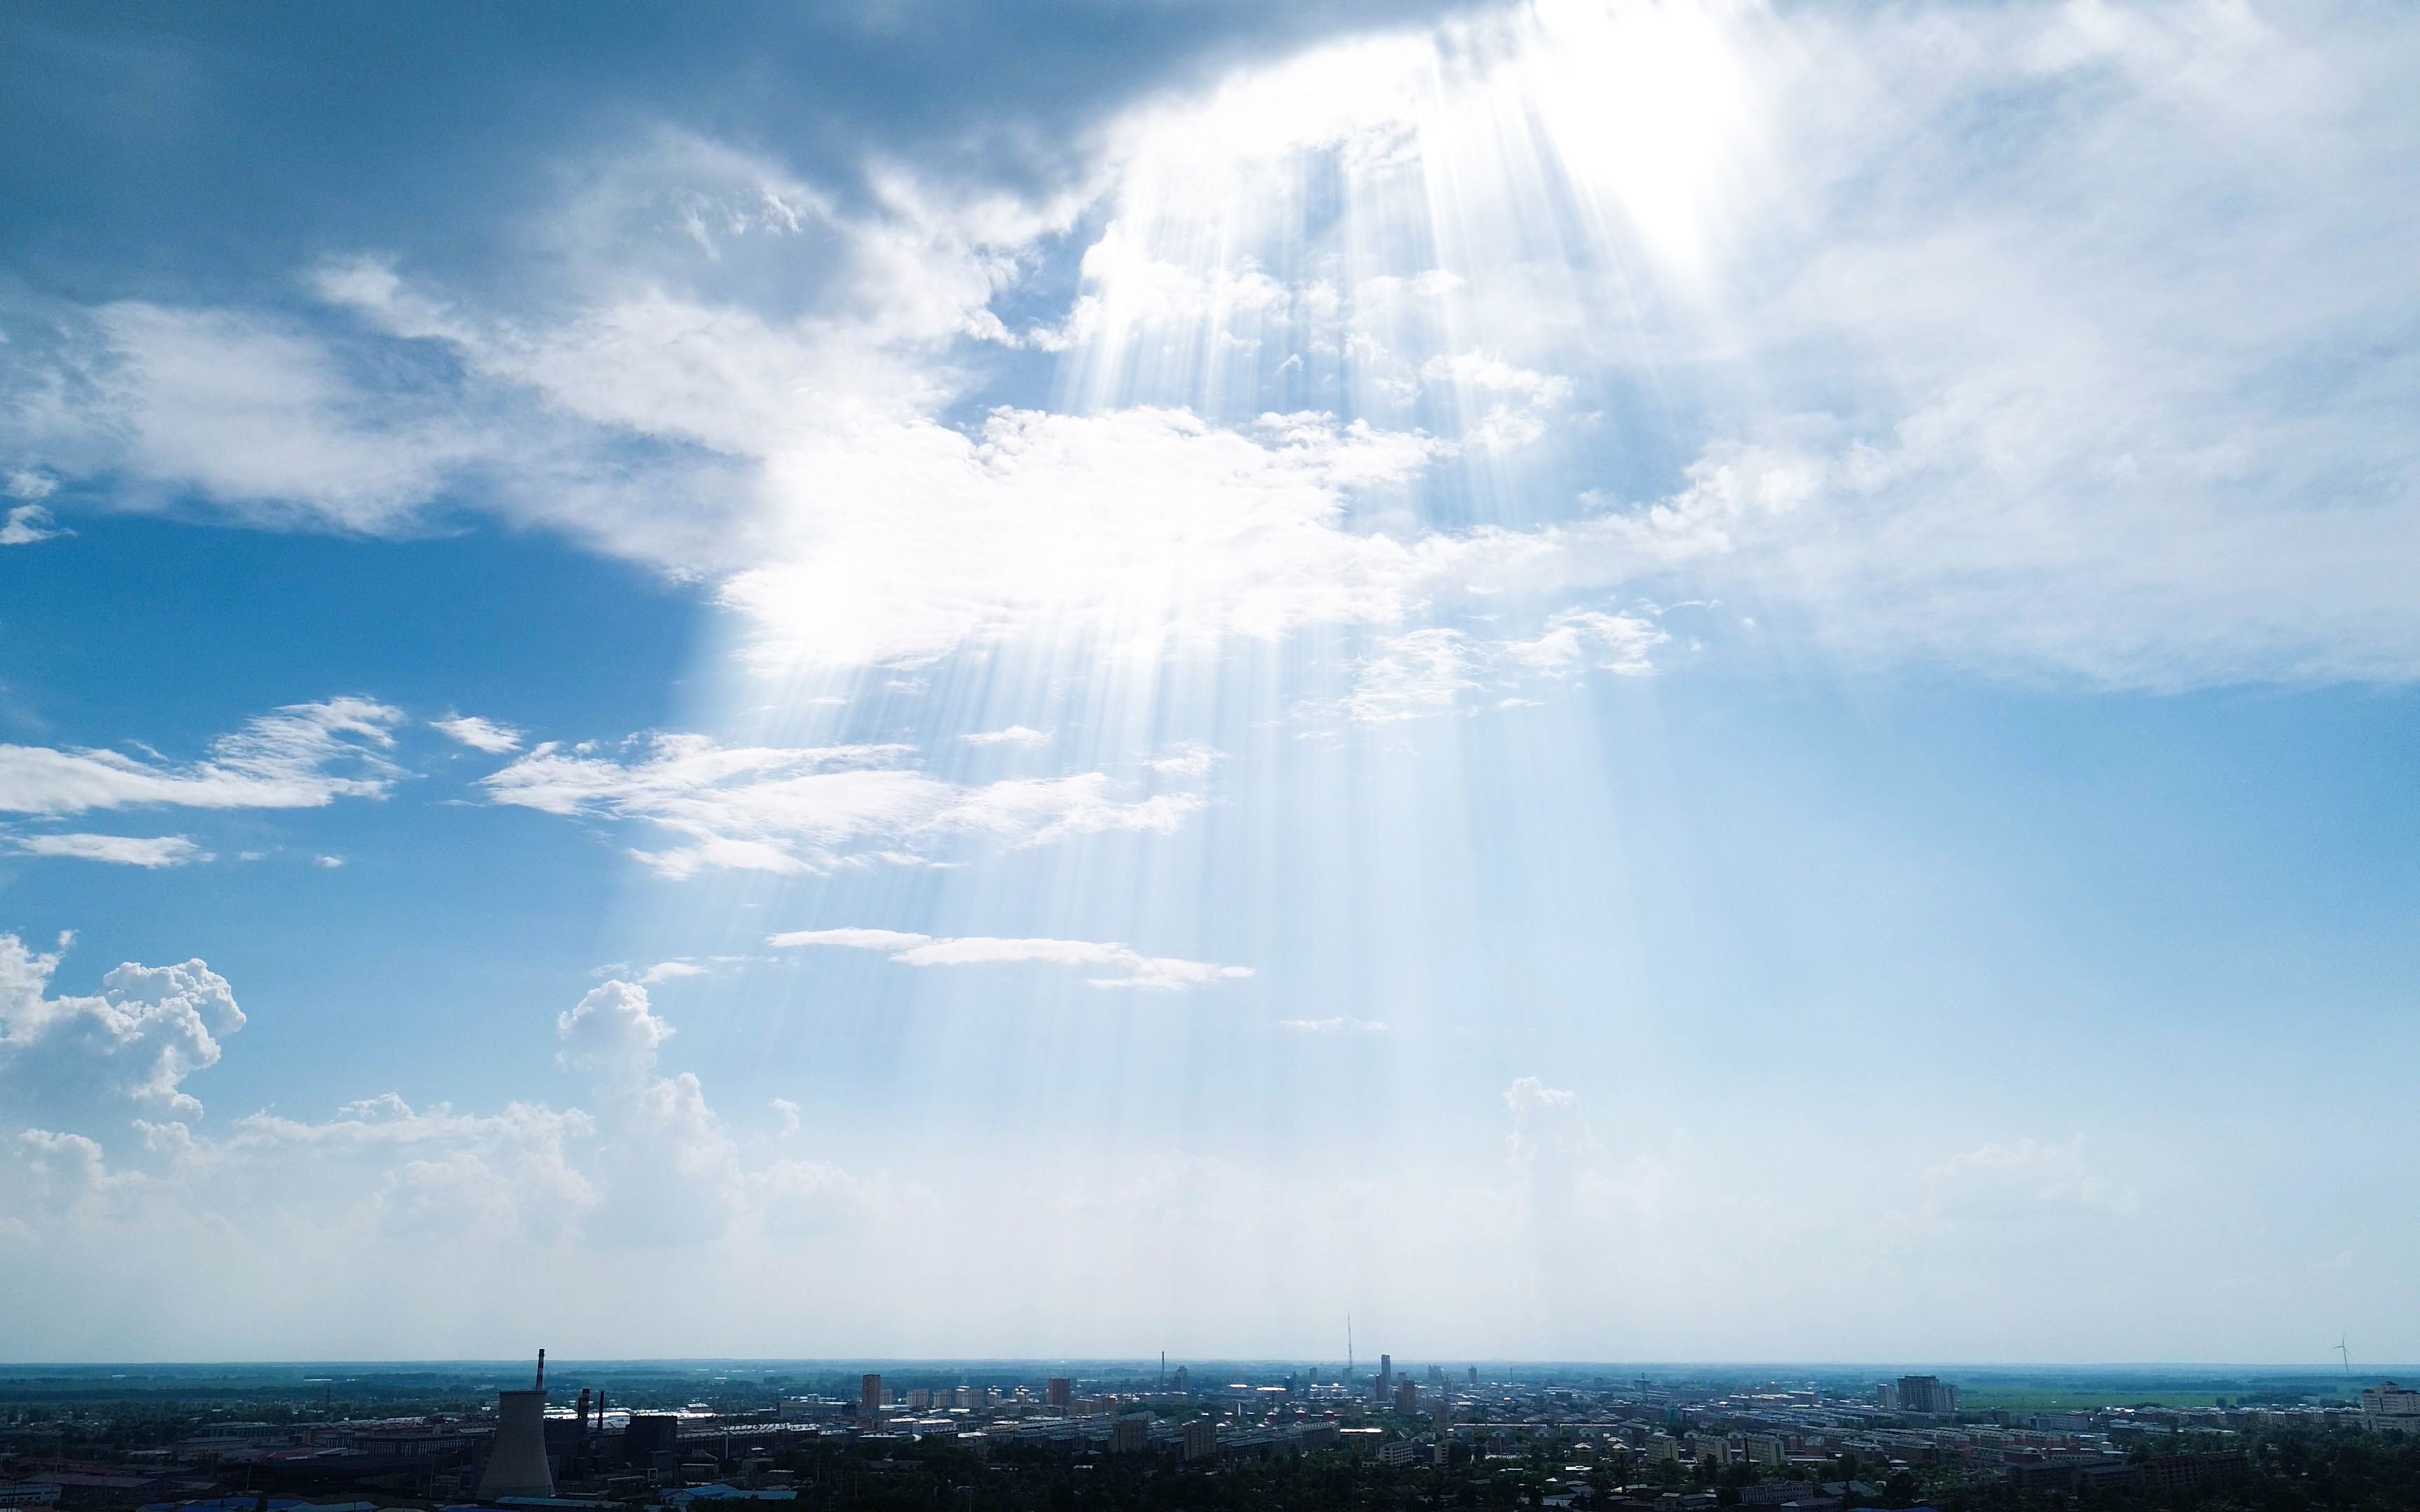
(1201, 1438)
(1927, 1393)
(2388, 1405)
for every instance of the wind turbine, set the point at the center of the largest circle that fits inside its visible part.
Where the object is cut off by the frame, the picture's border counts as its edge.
(2344, 1354)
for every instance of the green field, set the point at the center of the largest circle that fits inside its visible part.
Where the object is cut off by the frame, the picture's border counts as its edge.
(2175, 1391)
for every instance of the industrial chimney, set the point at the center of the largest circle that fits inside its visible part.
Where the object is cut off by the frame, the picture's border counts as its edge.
(517, 1465)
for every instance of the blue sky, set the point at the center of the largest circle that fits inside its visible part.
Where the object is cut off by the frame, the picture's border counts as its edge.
(1626, 681)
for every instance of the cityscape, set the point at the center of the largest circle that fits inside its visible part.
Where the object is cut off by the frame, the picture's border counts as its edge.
(675, 1437)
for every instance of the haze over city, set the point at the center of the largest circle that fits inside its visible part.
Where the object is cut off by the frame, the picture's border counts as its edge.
(1626, 681)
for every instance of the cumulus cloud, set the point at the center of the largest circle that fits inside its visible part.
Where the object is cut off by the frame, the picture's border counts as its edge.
(807, 810)
(121, 850)
(478, 734)
(612, 1030)
(301, 756)
(1127, 967)
(147, 1030)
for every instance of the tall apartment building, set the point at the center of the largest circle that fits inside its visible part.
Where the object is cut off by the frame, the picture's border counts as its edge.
(869, 1395)
(1926, 1393)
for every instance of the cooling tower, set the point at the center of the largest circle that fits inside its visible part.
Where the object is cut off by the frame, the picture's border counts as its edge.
(516, 1466)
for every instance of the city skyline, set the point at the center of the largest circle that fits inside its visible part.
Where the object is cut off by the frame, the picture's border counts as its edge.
(1708, 680)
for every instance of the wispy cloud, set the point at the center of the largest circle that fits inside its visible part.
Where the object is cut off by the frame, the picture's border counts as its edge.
(1130, 967)
(122, 850)
(303, 756)
(27, 524)
(807, 810)
(478, 734)
(1420, 673)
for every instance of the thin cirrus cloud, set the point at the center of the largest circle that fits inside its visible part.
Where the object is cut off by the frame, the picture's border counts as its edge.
(301, 756)
(799, 810)
(1130, 967)
(120, 850)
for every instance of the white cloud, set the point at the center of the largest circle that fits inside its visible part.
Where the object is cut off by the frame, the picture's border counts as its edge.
(795, 811)
(328, 862)
(1189, 759)
(1489, 371)
(147, 1030)
(1135, 969)
(1414, 674)
(1529, 1095)
(2021, 1181)
(1016, 735)
(670, 971)
(478, 734)
(122, 850)
(2104, 401)
(29, 523)
(303, 756)
(1420, 673)
(1333, 1026)
(854, 939)
(29, 485)
(612, 1030)
(1613, 642)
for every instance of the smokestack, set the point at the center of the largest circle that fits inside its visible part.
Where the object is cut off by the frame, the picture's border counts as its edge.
(517, 1463)
(584, 1410)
